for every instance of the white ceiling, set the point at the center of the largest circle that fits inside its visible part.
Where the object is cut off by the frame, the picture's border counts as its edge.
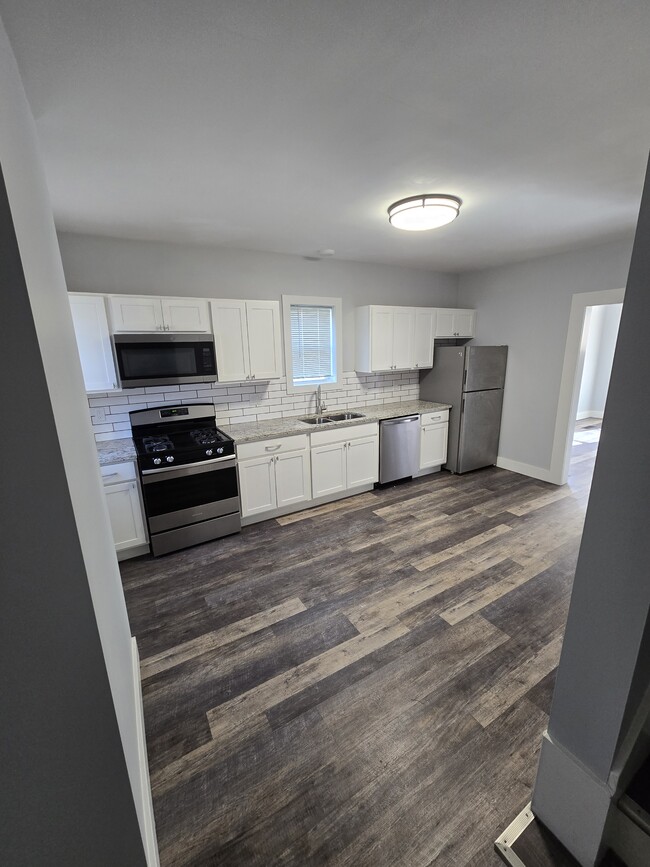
(290, 125)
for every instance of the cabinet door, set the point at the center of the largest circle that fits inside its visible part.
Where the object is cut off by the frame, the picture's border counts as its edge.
(381, 338)
(362, 459)
(231, 340)
(136, 313)
(292, 478)
(93, 342)
(433, 445)
(257, 485)
(464, 323)
(403, 338)
(264, 345)
(445, 322)
(328, 469)
(455, 323)
(186, 315)
(423, 341)
(125, 513)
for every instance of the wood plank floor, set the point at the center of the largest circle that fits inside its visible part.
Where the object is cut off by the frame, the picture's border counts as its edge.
(364, 683)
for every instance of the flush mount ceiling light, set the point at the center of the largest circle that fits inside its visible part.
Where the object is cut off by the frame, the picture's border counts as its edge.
(426, 211)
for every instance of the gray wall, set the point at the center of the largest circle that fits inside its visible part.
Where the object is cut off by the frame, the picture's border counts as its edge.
(99, 264)
(527, 306)
(611, 592)
(70, 767)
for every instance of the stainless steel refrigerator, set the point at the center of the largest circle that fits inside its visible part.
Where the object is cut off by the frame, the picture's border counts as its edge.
(471, 379)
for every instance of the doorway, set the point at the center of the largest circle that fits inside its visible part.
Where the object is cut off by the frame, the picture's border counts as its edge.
(575, 357)
(597, 345)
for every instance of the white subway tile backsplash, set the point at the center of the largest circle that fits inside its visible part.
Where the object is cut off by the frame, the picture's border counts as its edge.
(245, 402)
(161, 389)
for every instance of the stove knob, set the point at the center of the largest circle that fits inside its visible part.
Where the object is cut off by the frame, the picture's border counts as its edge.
(219, 451)
(208, 452)
(170, 459)
(157, 461)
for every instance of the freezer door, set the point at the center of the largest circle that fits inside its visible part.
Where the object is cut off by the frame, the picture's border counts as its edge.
(480, 423)
(485, 367)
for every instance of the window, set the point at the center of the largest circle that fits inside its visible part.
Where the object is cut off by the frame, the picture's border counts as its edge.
(310, 338)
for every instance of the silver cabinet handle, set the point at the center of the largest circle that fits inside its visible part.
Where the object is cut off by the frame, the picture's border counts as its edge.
(253, 376)
(273, 448)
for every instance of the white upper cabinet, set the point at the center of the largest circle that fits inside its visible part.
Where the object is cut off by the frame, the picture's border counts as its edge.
(186, 315)
(93, 341)
(381, 325)
(247, 339)
(385, 338)
(140, 313)
(403, 338)
(264, 341)
(423, 340)
(455, 323)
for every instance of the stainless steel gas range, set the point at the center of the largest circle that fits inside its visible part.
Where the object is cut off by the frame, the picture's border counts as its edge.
(188, 471)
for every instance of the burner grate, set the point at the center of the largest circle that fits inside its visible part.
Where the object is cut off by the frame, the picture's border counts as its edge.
(157, 444)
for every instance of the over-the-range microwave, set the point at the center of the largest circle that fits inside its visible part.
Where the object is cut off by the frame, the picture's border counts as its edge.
(164, 359)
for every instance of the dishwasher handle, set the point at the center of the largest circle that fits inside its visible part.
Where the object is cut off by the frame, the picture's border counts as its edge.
(401, 420)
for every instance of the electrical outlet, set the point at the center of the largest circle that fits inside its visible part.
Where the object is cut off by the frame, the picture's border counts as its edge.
(99, 415)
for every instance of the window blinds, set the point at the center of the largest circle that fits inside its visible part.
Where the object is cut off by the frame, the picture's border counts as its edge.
(312, 344)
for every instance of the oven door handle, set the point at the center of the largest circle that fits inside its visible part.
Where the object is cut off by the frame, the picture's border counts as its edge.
(150, 476)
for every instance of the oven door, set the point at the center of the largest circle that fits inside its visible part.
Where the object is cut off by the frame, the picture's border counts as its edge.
(185, 495)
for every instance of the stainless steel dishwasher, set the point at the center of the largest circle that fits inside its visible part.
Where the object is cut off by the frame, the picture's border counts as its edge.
(399, 447)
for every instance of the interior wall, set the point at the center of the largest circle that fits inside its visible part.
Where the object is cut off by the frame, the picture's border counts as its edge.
(526, 306)
(604, 667)
(70, 441)
(599, 355)
(117, 266)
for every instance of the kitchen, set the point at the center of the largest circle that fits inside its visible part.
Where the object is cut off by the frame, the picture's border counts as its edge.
(522, 304)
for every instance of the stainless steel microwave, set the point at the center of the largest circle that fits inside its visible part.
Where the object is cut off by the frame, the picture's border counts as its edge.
(164, 359)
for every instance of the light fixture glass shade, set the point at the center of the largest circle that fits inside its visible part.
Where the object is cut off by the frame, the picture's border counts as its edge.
(428, 211)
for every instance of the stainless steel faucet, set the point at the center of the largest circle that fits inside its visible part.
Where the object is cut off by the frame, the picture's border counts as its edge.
(320, 406)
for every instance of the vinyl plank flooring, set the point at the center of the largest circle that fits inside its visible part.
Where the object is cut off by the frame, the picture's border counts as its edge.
(364, 683)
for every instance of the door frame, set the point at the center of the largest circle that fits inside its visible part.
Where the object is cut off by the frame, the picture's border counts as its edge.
(571, 377)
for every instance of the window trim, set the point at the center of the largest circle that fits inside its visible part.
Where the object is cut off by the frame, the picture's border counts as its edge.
(337, 311)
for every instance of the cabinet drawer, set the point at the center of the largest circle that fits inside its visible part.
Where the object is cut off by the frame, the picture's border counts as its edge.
(434, 417)
(265, 448)
(115, 473)
(343, 434)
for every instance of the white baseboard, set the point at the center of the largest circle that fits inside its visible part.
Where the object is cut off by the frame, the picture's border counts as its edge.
(540, 473)
(150, 841)
(590, 413)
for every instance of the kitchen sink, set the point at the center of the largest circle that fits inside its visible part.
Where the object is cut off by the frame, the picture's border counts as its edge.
(328, 419)
(346, 416)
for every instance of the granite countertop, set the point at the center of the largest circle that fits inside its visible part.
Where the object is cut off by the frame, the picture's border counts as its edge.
(117, 451)
(250, 432)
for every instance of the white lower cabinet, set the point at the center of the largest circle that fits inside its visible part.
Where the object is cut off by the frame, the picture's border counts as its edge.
(362, 461)
(328, 469)
(124, 506)
(273, 474)
(434, 429)
(344, 459)
(292, 478)
(257, 485)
